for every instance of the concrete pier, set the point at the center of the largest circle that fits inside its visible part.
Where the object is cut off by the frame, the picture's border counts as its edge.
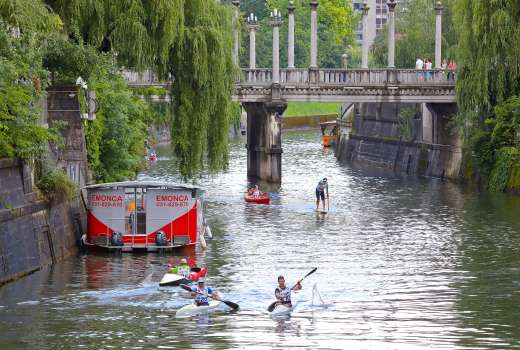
(264, 140)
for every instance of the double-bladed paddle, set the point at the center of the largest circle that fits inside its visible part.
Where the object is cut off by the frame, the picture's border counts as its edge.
(231, 304)
(271, 307)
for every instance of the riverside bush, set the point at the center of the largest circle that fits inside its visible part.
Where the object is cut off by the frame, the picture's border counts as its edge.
(56, 186)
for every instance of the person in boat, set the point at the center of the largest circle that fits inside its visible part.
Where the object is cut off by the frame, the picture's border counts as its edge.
(201, 293)
(283, 293)
(321, 189)
(183, 269)
(255, 192)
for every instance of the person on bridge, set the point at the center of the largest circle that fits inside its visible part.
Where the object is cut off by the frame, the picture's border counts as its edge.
(321, 189)
(201, 293)
(183, 269)
(282, 293)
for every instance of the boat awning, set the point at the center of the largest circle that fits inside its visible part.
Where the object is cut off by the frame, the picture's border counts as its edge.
(145, 184)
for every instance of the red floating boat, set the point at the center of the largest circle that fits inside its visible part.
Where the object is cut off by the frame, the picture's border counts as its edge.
(262, 199)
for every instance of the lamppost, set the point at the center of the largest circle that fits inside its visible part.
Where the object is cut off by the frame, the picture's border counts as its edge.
(364, 57)
(290, 35)
(275, 20)
(252, 24)
(235, 3)
(438, 34)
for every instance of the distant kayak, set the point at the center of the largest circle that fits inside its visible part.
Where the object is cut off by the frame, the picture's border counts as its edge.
(173, 279)
(193, 309)
(260, 199)
(152, 158)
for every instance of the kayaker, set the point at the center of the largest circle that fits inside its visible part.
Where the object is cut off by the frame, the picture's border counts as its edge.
(322, 187)
(283, 293)
(201, 293)
(183, 269)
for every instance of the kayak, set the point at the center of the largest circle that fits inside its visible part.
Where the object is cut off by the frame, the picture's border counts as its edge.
(173, 279)
(258, 200)
(281, 310)
(193, 309)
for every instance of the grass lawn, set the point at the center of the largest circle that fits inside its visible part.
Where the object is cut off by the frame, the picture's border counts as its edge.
(296, 109)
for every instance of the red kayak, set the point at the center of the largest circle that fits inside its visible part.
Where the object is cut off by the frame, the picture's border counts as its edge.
(173, 279)
(263, 199)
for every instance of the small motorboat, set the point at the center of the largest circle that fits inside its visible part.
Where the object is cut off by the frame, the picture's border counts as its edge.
(173, 279)
(262, 199)
(329, 133)
(193, 309)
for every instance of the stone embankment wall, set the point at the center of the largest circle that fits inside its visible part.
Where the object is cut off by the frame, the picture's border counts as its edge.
(34, 233)
(429, 147)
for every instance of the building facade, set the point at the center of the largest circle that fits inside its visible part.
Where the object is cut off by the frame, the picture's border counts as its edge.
(377, 17)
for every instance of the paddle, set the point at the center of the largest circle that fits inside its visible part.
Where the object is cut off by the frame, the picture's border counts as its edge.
(231, 304)
(270, 308)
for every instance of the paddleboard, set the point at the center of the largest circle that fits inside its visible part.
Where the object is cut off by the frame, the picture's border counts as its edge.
(192, 309)
(173, 279)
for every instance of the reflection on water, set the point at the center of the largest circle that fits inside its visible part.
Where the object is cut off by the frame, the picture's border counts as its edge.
(402, 263)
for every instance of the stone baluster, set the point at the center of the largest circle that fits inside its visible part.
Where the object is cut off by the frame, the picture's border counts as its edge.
(252, 24)
(275, 21)
(236, 15)
(438, 34)
(314, 33)
(364, 56)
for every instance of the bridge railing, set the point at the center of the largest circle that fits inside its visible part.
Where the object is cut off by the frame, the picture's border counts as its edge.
(351, 77)
(145, 78)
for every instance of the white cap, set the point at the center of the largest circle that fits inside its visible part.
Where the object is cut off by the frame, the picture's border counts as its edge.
(201, 279)
(184, 261)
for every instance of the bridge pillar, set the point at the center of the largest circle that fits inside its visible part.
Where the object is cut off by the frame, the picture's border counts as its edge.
(364, 57)
(264, 139)
(252, 24)
(391, 33)
(290, 36)
(438, 35)
(314, 33)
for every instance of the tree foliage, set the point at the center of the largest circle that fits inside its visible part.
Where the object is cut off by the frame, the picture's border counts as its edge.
(488, 86)
(24, 25)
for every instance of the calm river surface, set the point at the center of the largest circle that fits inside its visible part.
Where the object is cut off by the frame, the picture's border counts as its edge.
(402, 264)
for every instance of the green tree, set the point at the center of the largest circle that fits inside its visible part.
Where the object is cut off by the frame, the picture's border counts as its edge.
(24, 26)
(189, 41)
(488, 85)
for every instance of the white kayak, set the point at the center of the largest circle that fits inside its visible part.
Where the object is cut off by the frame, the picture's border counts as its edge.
(193, 309)
(281, 310)
(173, 279)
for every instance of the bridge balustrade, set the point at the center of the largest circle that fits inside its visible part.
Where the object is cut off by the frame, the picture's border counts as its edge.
(351, 77)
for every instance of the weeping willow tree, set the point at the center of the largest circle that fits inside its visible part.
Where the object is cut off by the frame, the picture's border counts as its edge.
(189, 41)
(488, 81)
(202, 68)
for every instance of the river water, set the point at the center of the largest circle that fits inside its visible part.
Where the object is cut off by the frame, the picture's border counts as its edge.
(403, 263)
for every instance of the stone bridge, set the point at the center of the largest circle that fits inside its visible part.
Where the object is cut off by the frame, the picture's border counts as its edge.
(264, 93)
